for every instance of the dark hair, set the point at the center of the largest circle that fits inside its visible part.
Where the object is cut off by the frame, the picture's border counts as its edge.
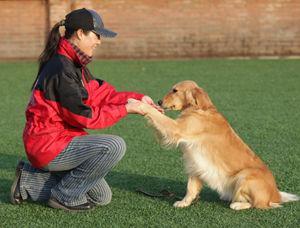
(49, 50)
(51, 46)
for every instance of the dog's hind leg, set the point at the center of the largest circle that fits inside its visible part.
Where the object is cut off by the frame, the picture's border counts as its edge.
(254, 188)
(240, 205)
(194, 187)
(242, 199)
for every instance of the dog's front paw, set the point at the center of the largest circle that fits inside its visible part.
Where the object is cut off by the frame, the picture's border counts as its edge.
(146, 108)
(132, 100)
(182, 203)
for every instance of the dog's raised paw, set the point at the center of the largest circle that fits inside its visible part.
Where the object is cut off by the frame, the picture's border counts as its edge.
(131, 100)
(181, 204)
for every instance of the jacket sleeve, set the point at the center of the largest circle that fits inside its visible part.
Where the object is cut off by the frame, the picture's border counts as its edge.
(107, 93)
(69, 98)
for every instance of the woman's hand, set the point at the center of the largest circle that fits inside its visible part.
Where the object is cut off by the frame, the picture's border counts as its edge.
(148, 100)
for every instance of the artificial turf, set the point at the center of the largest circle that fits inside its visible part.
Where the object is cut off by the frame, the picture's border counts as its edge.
(260, 98)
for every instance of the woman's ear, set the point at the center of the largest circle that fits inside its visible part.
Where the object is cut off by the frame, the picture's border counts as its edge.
(79, 34)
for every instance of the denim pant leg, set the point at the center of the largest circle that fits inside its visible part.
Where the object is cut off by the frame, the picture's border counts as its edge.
(76, 172)
(100, 194)
(88, 159)
(36, 183)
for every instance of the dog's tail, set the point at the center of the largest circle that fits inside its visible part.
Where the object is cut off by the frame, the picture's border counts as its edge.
(288, 197)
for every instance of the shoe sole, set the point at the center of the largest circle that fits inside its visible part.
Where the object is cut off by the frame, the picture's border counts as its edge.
(12, 191)
(14, 186)
(57, 205)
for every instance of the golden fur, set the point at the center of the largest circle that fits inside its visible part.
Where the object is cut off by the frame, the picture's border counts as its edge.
(213, 153)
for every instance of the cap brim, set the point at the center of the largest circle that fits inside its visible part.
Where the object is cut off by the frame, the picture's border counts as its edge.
(105, 32)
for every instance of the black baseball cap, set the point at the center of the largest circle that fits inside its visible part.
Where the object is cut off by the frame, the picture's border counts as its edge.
(88, 20)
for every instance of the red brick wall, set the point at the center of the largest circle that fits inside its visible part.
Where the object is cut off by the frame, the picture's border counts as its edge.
(165, 28)
(23, 28)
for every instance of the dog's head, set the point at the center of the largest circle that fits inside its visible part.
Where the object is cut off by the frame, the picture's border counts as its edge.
(184, 95)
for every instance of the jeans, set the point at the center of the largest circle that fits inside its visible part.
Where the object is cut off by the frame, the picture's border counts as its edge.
(77, 174)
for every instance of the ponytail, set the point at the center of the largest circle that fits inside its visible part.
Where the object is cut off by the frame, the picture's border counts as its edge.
(50, 48)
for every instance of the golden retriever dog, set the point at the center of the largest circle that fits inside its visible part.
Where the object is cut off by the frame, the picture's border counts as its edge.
(212, 152)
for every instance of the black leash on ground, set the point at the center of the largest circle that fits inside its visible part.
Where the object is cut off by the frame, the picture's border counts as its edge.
(163, 193)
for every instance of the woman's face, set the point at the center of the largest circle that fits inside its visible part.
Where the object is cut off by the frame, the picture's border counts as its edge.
(87, 42)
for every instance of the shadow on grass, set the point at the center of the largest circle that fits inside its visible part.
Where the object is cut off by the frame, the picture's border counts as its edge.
(131, 182)
(5, 190)
(121, 180)
(8, 162)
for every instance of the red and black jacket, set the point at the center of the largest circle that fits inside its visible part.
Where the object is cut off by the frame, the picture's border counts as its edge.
(64, 103)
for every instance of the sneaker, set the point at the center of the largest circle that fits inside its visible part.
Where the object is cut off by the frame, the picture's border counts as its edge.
(54, 203)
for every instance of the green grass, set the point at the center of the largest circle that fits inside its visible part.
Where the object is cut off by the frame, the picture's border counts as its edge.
(260, 98)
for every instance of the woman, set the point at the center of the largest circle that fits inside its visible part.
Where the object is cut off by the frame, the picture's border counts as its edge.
(67, 166)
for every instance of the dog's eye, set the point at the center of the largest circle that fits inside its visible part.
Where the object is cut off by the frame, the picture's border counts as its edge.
(175, 90)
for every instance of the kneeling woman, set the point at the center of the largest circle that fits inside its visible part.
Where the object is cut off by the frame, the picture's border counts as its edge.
(67, 166)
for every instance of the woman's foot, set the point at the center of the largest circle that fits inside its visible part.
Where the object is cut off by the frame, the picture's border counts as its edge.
(54, 203)
(15, 194)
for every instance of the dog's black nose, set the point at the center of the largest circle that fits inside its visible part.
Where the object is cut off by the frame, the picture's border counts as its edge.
(160, 102)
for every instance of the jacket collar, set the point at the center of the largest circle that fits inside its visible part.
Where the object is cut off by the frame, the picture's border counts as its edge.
(72, 52)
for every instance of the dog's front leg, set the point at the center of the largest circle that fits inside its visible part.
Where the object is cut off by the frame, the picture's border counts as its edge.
(166, 127)
(194, 187)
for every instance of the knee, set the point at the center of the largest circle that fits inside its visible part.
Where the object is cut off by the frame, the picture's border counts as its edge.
(112, 145)
(118, 147)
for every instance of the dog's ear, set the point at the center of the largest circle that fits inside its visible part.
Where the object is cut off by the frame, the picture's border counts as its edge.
(198, 98)
(190, 99)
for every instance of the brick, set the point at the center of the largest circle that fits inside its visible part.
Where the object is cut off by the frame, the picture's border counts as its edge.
(161, 29)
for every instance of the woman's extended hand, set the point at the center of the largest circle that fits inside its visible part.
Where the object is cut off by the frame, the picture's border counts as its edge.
(148, 100)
